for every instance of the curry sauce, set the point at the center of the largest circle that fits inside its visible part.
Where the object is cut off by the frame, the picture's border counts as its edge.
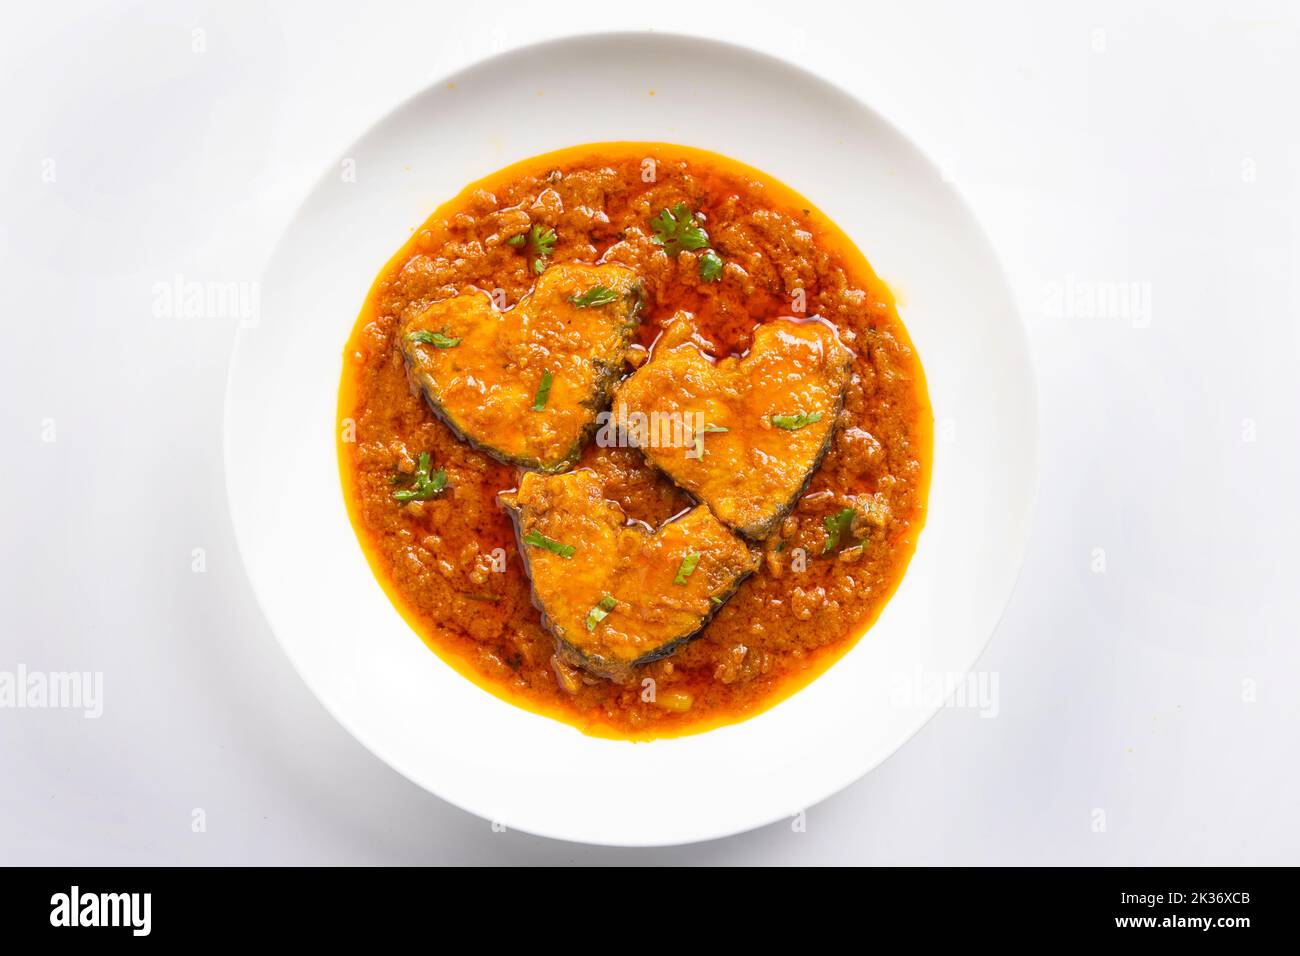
(717, 249)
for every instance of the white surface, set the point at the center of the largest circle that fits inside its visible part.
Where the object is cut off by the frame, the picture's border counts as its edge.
(1167, 158)
(353, 648)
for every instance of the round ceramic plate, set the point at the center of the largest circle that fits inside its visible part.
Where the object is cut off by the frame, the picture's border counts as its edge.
(381, 681)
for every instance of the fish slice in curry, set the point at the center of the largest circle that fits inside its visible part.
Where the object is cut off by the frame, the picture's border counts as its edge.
(526, 384)
(761, 423)
(616, 594)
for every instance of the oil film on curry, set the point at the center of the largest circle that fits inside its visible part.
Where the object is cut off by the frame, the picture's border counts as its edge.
(641, 443)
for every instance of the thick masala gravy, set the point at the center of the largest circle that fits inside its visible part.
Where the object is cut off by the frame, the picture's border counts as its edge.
(451, 564)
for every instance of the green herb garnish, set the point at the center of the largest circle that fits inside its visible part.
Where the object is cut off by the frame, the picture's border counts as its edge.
(793, 422)
(677, 229)
(687, 567)
(543, 240)
(840, 523)
(597, 295)
(710, 266)
(699, 437)
(540, 243)
(543, 391)
(539, 540)
(439, 340)
(423, 485)
(517, 241)
(600, 612)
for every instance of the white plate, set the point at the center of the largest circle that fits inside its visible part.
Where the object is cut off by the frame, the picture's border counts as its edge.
(358, 655)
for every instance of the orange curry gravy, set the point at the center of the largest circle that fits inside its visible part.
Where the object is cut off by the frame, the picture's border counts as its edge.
(435, 558)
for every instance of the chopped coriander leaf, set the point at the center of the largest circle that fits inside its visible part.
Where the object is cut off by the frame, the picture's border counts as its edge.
(439, 340)
(699, 437)
(838, 524)
(539, 540)
(600, 611)
(423, 485)
(793, 422)
(715, 599)
(687, 567)
(539, 244)
(710, 266)
(676, 229)
(543, 391)
(541, 241)
(597, 295)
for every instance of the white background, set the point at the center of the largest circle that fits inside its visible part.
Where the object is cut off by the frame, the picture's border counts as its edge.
(1148, 144)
